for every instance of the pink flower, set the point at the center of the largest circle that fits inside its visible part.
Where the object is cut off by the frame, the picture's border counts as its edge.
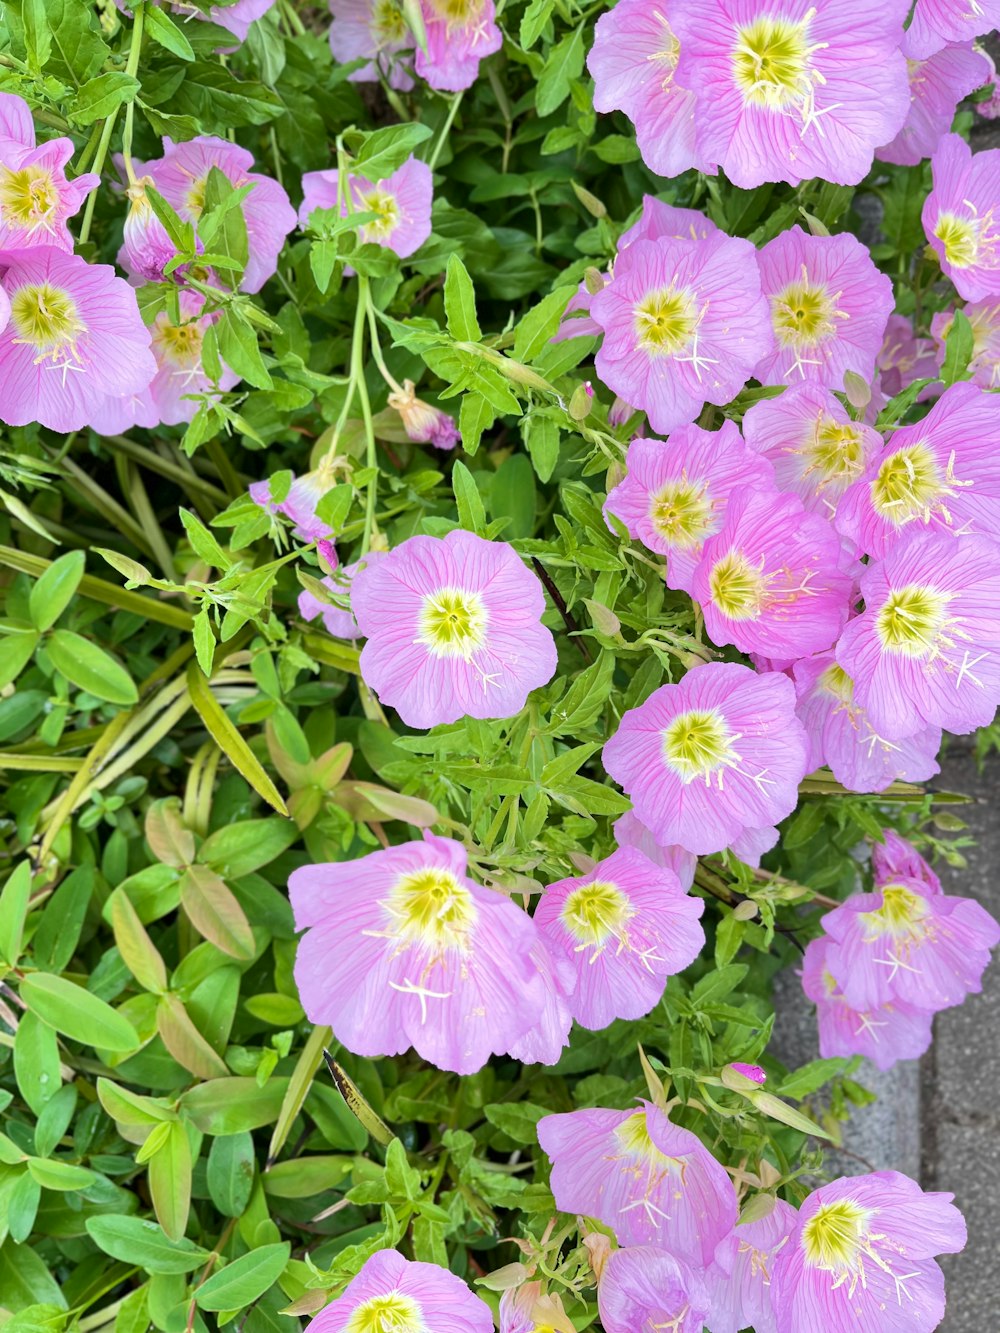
(906, 943)
(684, 323)
(750, 845)
(739, 1281)
(753, 1072)
(937, 85)
(633, 61)
(959, 217)
(376, 30)
(904, 358)
(941, 475)
(460, 34)
(674, 495)
(802, 89)
(392, 1293)
(629, 831)
(895, 858)
(74, 337)
(17, 126)
(403, 949)
(299, 505)
(454, 629)
(527, 1309)
(990, 108)
(707, 759)
(884, 1035)
(423, 423)
(937, 22)
(146, 248)
(843, 738)
(36, 199)
(544, 1041)
(651, 1181)
(337, 621)
(816, 450)
(861, 1257)
(926, 650)
(623, 928)
(770, 580)
(984, 316)
(645, 1287)
(829, 307)
(235, 18)
(181, 176)
(401, 204)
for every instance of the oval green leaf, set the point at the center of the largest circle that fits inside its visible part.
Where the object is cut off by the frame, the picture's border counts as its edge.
(90, 668)
(76, 1013)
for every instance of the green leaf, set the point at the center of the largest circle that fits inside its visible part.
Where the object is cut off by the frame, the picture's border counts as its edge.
(54, 591)
(230, 1173)
(166, 33)
(564, 63)
(144, 1245)
(139, 954)
(241, 1282)
(54, 1175)
(16, 651)
(471, 513)
(25, 1280)
(90, 668)
(36, 1062)
(536, 328)
(517, 1120)
(233, 1105)
(169, 1176)
(960, 348)
(204, 640)
(102, 95)
(512, 496)
(335, 505)
(382, 151)
(37, 34)
(533, 21)
(215, 912)
(474, 416)
(229, 740)
(239, 849)
(202, 541)
(239, 348)
(460, 302)
(76, 1013)
(13, 911)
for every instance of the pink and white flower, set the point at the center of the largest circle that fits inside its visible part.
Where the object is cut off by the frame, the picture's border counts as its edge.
(937, 85)
(375, 30)
(36, 199)
(460, 34)
(937, 22)
(423, 423)
(984, 316)
(739, 1280)
(338, 621)
(959, 217)
(629, 831)
(646, 1287)
(904, 357)
(299, 503)
(392, 1293)
(401, 204)
(894, 858)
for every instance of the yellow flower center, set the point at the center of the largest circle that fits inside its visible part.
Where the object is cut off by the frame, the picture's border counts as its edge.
(595, 913)
(456, 13)
(697, 743)
(431, 907)
(770, 62)
(453, 623)
(835, 450)
(960, 238)
(178, 343)
(633, 1138)
(908, 484)
(665, 321)
(393, 1313)
(901, 913)
(386, 211)
(388, 22)
(737, 588)
(46, 317)
(195, 199)
(834, 1237)
(837, 682)
(803, 314)
(29, 198)
(681, 512)
(911, 620)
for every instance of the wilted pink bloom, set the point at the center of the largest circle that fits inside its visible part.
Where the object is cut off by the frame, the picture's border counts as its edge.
(796, 90)
(841, 736)
(338, 621)
(375, 30)
(36, 199)
(391, 1293)
(886, 1034)
(941, 475)
(895, 858)
(770, 580)
(74, 338)
(990, 108)
(984, 316)
(401, 204)
(633, 61)
(527, 1309)
(739, 1281)
(937, 22)
(674, 495)
(181, 176)
(905, 943)
(146, 248)
(959, 217)
(684, 323)
(707, 759)
(937, 85)
(815, 448)
(423, 423)
(454, 629)
(460, 34)
(829, 306)
(645, 1287)
(904, 357)
(861, 1257)
(624, 928)
(629, 831)
(299, 504)
(403, 949)
(926, 650)
(649, 1180)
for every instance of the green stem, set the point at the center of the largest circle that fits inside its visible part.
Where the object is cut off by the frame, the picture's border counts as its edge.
(135, 44)
(442, 139)
(358, 376)
(384, 370)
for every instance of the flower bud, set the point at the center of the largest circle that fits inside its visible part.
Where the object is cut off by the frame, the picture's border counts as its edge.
(423, 423)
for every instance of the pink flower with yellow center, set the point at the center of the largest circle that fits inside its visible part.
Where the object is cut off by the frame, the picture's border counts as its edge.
(395, 1295)
(937, 22)
(460, 35)
(895, 857)
(401, 204)
(937, 85)
(739, 1280)
(402, 949)
(651, 1181)
(861, 1256)
(36, 199)
(903, 358)
(984, 316)
(829, 306)
(926, 650)
(960, 217)
(373, 29)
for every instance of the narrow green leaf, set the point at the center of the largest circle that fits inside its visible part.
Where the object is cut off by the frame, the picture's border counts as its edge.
(240, 1283)
(13, 910)
(471, 513)
(54, 590)
(460, 302)
(139, 953)
(215, 912)
(166, 33)
(229, 740)
(169, 1175)
(76, 1013)
(144, 1245)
